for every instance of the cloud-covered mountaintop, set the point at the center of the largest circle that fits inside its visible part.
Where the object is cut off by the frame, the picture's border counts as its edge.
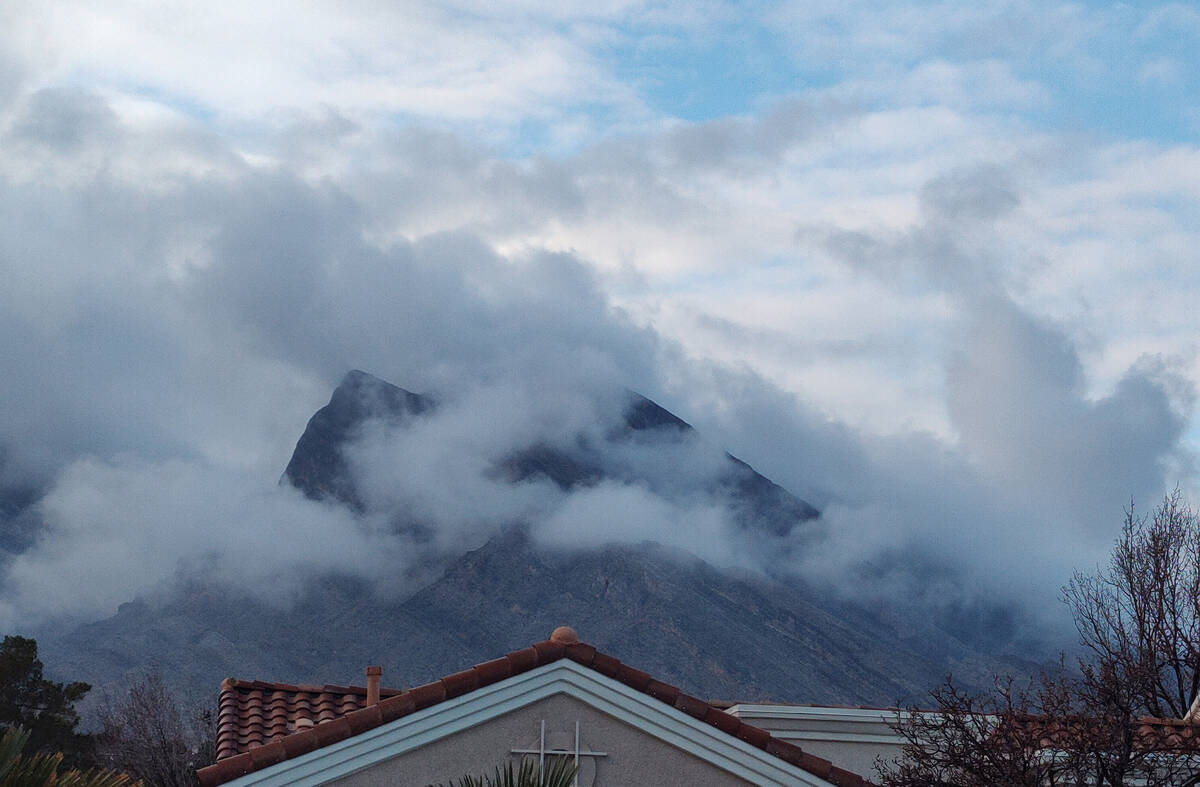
(608, 526)
(638, 447)
(929, 267)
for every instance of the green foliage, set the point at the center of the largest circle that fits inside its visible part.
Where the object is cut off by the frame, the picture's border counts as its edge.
(45, 708)
(40, 769)
(559, 772)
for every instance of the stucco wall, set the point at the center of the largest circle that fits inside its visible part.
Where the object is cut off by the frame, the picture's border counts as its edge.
(634, 759)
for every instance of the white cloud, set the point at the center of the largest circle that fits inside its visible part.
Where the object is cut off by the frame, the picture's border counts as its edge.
(211, 212)
(492, 66)
(1162, 71)
(132, 526)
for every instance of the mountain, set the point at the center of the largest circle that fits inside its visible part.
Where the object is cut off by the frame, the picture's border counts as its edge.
(318, 467)
(19, 519)
(721, 634)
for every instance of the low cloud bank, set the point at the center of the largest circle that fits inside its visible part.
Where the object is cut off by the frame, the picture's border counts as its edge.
(178, 312)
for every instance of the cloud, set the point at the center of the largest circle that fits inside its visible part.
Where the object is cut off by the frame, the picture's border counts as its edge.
(1160, 71)
(108, 522)
(175, 335)
(1017, 398)
(631, 514)
(449, 475)
(63, 119)
(1037, 465)
(474, 66)
(977, 342)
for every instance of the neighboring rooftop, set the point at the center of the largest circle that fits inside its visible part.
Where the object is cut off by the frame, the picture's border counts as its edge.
(253, 713)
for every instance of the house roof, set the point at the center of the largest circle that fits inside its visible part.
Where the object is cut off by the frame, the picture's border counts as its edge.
(251, 713)
(1170, 735)
(1150, 734)
(263, 724)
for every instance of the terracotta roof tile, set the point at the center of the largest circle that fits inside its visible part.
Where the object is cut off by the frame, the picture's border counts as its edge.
(691, 705)
(753, 735)
(633, 678)
(1168, 735)
(523, 660)
(722, 721)
(606, 665)
(662, 691)
(424, 696)
(461, 683)
(581, 653)
(397, 707)
(254, 713)
(494, 671)
(549, 651)
(1151, 734)
(257, 722)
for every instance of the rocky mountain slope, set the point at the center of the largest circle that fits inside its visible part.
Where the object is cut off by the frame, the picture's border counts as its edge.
(719, 634)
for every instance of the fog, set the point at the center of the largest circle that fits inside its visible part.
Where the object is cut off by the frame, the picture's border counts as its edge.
(175, 308)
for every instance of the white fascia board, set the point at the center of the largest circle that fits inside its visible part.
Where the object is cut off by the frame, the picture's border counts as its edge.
(606, 695)
(838, 737)
(818, 713)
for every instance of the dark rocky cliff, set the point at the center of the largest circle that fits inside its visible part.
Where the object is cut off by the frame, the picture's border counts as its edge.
(317, 467)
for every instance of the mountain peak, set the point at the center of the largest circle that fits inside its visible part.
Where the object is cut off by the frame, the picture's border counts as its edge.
(317, 467)
(642, 414)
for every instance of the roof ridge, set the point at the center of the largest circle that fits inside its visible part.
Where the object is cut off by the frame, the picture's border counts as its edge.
(249, 685)
(332, 730)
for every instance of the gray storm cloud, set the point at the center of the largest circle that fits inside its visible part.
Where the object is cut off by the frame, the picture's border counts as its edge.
(1040, 468)
(173, 314)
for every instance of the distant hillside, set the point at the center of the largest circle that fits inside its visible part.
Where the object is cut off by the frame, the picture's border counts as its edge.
(719, 634)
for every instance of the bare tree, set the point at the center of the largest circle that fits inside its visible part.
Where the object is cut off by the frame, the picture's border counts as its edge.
(1063, 730)
(1140, 615)
(147, 733)
(983, 739)
(1101, 724)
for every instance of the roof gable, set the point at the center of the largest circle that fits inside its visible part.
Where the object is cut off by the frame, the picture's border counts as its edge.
(579, 669)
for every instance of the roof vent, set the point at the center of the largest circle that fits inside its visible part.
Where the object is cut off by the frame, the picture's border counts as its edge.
(374, 675)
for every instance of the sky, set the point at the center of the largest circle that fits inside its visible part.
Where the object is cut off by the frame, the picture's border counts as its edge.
(931, 266)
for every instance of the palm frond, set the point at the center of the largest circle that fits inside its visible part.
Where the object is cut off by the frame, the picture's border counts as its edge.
(41, 769)
(558, 772)
(11, 744)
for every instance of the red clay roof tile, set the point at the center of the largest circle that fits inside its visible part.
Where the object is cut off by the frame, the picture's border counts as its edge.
(548, 651)
(369, 718)
(633, 678)
(394, 708)
(461, 683)
(429, 694)
(606, 665)
(662, 691)
(692, 706)
(753, 735)
(523, 660)
(254, 713)
(494, 671)
(722, 721)
(581, 653)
